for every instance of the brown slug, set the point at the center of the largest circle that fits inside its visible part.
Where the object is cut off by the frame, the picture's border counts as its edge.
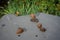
(39, 25)
(42, 29)
(19, 31)
(33, 18)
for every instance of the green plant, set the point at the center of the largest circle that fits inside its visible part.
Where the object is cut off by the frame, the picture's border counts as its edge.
(25, 7)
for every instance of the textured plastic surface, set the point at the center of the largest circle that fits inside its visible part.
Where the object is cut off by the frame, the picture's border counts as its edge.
(10, 23)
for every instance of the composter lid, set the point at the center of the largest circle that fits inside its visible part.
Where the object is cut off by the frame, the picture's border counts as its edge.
(10, 23)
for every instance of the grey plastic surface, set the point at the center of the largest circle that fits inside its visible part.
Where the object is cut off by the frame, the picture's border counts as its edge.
(10, 23)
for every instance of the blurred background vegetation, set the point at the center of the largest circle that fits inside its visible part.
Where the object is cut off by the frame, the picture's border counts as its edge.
(25, 7)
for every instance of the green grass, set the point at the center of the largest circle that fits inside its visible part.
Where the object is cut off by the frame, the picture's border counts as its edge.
(26, 7)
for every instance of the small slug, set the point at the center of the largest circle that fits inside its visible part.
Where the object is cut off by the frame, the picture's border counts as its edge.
(19, 31)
